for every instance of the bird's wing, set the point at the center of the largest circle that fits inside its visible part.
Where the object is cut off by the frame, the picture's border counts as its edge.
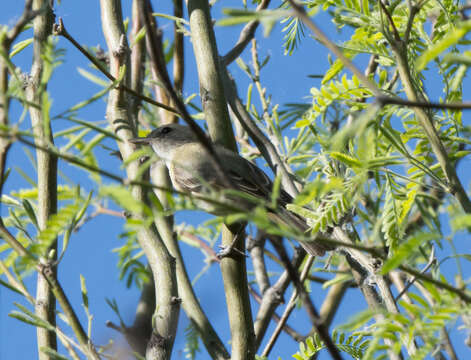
(247, 177)
(183, 180)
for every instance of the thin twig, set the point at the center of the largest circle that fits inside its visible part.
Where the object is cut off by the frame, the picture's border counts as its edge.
(286, 328)
(311, 310)
(424, 277)
(66, 307)
(430, 262)
(27, 15)
(413, 11)
(397, 37)
(59, 29)
(300, 12)
(385, 100)
(289, 308)
(179, 50)
(15, 244)
(210, 252)
(273, 296)
(247, 34)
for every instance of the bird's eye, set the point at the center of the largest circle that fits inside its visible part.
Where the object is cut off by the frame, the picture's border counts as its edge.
(165, 130)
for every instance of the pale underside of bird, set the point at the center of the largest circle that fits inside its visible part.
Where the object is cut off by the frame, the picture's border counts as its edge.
(192, 171)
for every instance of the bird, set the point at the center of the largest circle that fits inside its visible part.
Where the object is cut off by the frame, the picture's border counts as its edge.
(192, 171)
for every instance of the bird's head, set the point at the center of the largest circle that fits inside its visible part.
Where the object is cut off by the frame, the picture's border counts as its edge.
(167, 138)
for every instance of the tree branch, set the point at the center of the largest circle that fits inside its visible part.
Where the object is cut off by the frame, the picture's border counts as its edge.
(47, 171)
(219, 126)
(286, 328)
(246, 35)
(301, 14)
(161, 262)
(59, 29)
(272, 297)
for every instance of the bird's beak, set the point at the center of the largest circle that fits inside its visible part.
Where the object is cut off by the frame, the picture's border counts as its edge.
(143, 140)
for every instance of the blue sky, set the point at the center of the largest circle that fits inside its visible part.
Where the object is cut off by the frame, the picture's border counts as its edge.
(90, 252)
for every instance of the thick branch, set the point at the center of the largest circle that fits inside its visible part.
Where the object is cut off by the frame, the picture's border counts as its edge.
(190, 303)
(219, 126)
(47, 169)
(178, 52)
(160, 261)
(158, 59)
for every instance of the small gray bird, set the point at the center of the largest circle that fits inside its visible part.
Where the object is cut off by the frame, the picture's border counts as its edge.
(192, 171)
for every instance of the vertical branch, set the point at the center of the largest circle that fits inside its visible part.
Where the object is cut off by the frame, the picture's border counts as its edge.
(139, 334)
(209, 74)
(155, 50)
(4, 109)
(190, 303)
(161, 262)
(426, 121)
(137, 61)
(178, 52)
(159, 176)
(217, 117)
(255, 247)
(46, 165)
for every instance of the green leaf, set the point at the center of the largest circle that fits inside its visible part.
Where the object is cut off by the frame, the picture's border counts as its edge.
(346, 159)
(53, 354)
(276, 191)
(318, 188)
(83, 290)
(336, 68)
(406, 249)
(138, 37)
(30, 212)
(170, 17)
(88, 101)
(25, 176)
(336, 280)
(460, 222)
(406, 205)
(75, 221)
(124, 198)
(19, 46)
(98, 138)
(11, 287)
(97, 128)
(458, 58)
(358, 320)
(93, 78)
(452, 37)
(57, 223)
(268, 18)
(29, 317)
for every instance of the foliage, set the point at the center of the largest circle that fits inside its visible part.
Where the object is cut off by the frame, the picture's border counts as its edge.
(353, 345)
(364, 167)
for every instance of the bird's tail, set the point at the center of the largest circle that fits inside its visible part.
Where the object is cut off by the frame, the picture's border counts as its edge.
(312, 247)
